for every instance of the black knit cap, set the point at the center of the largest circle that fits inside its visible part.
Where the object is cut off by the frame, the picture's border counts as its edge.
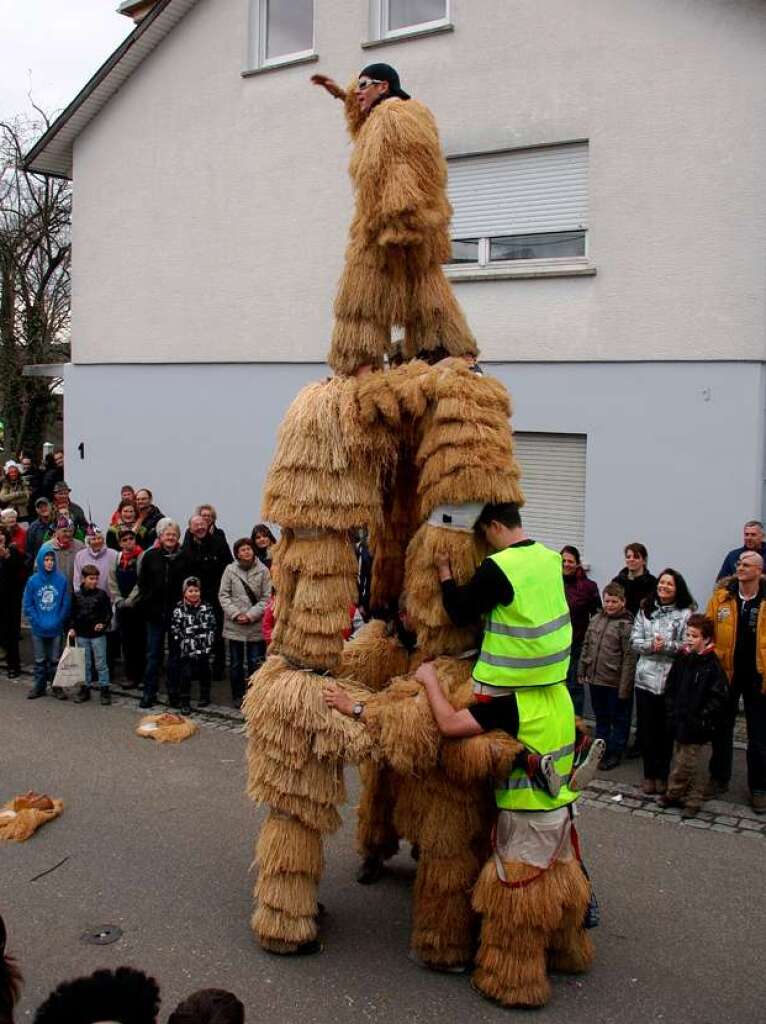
(385, 73)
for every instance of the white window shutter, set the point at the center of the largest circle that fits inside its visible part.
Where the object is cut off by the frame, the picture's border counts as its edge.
(520, 192)
(553, 481)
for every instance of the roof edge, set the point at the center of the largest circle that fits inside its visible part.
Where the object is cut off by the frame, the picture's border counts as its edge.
(87, 91)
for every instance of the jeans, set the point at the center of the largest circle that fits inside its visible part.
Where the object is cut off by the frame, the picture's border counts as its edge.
(155, 645)
(656, 738)
(612, 718)
(96, 644)
(576, 690)
(723, 740)
(47, 650)
(255, 651)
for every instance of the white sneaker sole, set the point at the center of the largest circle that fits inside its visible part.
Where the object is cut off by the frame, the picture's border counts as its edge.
(586, 772)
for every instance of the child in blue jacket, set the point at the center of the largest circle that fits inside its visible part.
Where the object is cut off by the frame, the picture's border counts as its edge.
(46, 606)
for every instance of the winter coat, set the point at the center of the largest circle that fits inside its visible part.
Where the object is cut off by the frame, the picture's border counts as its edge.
(607, 657)
(584, 601)
(64, 556)
(696, 696)
(235, 599)
(15, 495)
(668, 622)
(123, 577)
(47, 598)
(89, 609)
(148, 521)
(635, 589)
(11, 584)
(723, 609)
(193, 629)
(160, 581)
(103, 561)
(208, 558)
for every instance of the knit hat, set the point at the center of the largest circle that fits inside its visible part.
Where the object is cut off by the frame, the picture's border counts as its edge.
(61, 487)
(385, 73)
(191, 581)
(42, 503)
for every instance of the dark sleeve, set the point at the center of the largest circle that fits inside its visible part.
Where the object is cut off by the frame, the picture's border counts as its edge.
(727, 568)
(489, 587)
(500, 713)
(105, 611)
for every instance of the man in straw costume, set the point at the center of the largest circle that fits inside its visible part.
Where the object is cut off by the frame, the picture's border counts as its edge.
(399, 237)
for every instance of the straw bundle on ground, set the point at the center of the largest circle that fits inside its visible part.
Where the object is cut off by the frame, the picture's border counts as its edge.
(525, 929)
(166, 728)
(21, 817)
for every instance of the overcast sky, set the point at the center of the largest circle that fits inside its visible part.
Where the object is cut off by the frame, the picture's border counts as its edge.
(52, 47)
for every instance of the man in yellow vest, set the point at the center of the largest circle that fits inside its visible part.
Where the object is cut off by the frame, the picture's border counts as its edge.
(520, 674)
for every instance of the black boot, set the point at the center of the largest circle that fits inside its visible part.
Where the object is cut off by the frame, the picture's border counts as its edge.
(106, 697)
(83, 694)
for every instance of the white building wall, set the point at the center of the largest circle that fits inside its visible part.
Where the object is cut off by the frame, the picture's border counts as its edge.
(675, 451)
(211, 210)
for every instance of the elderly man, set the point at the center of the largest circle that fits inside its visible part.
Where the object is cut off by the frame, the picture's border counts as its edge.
(160, 580)
(209, 554)
(738, 611)
(753, 537)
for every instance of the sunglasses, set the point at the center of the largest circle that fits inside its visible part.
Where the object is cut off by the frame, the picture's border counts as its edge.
(365, 83)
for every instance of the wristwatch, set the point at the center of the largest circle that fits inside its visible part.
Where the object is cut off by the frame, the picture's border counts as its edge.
(357, 710)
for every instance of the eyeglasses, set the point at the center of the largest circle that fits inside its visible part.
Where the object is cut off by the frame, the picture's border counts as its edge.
(365, 83)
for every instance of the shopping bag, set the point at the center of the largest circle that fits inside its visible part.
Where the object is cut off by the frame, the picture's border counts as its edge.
(70, 671)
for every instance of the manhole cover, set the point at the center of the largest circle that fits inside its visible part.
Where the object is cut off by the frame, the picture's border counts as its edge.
(102, 936)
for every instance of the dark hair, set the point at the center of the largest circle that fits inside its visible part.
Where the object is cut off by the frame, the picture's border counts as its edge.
(506, 512)
(151, 496)
(570, 549)
(89, 570)
(10, 979)
(127, 487)
(638, 549)
(127, 503)
(614, 590)
(124, 995)
(209, 1006)
(241, 543)
(683, 598)
(701, 622)
(263, 528)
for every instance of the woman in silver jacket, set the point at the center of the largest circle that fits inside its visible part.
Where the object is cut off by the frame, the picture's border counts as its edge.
(658, 632)
(244, 593)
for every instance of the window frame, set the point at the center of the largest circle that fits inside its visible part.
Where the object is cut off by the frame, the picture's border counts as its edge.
(257, 40)
(379, 19)
(484, 261)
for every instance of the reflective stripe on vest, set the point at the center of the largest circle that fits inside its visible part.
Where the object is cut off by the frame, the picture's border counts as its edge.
(546, 726)
(527, 642)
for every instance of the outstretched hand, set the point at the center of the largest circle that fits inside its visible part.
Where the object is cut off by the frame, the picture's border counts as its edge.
(330, 85)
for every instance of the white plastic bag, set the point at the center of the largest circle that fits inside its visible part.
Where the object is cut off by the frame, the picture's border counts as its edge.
(70, 671)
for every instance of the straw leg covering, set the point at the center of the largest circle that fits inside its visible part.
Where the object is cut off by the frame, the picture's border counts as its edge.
(435, 319)
(375, 832)
(289, 859)
(521, 927)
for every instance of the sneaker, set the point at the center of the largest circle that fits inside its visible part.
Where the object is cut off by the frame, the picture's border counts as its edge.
(146, 702)
(585, 772)
(548, 773)
(35, 692)
(106, 697)
(758, 802)
(370, 871)
(82, 695)
(13, 673)
(58, 693)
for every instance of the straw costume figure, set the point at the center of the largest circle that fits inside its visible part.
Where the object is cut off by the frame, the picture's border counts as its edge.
(399, 236)
(413, 454)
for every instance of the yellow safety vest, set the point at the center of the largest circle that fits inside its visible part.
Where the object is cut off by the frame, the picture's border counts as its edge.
(527, 642)
(546, 726)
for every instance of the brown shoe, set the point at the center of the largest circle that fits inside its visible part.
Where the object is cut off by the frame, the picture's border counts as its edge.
(648, 786)
(758, 802)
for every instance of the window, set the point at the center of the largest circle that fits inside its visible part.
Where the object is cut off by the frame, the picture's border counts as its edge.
(529, 204)
(392, 18)
(553, 480)
(282, 31)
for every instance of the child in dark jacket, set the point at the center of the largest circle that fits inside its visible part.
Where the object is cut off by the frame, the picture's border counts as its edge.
(192, 628)
(91, 618)
(607, 665)
(696, 697)
(46, 607)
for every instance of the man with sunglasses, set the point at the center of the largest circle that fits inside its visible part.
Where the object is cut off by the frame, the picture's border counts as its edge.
(399, 237)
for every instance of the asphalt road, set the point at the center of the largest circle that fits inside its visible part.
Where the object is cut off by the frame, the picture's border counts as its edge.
(158, 841)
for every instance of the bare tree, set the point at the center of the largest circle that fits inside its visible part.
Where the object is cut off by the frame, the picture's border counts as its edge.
(35, 255)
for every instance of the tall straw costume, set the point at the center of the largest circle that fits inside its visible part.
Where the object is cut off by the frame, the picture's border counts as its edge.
(404, 452)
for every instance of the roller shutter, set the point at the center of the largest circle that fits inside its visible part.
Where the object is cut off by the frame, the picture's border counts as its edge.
(553, 479)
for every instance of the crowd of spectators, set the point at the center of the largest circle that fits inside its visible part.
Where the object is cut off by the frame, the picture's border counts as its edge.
(155, 596)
